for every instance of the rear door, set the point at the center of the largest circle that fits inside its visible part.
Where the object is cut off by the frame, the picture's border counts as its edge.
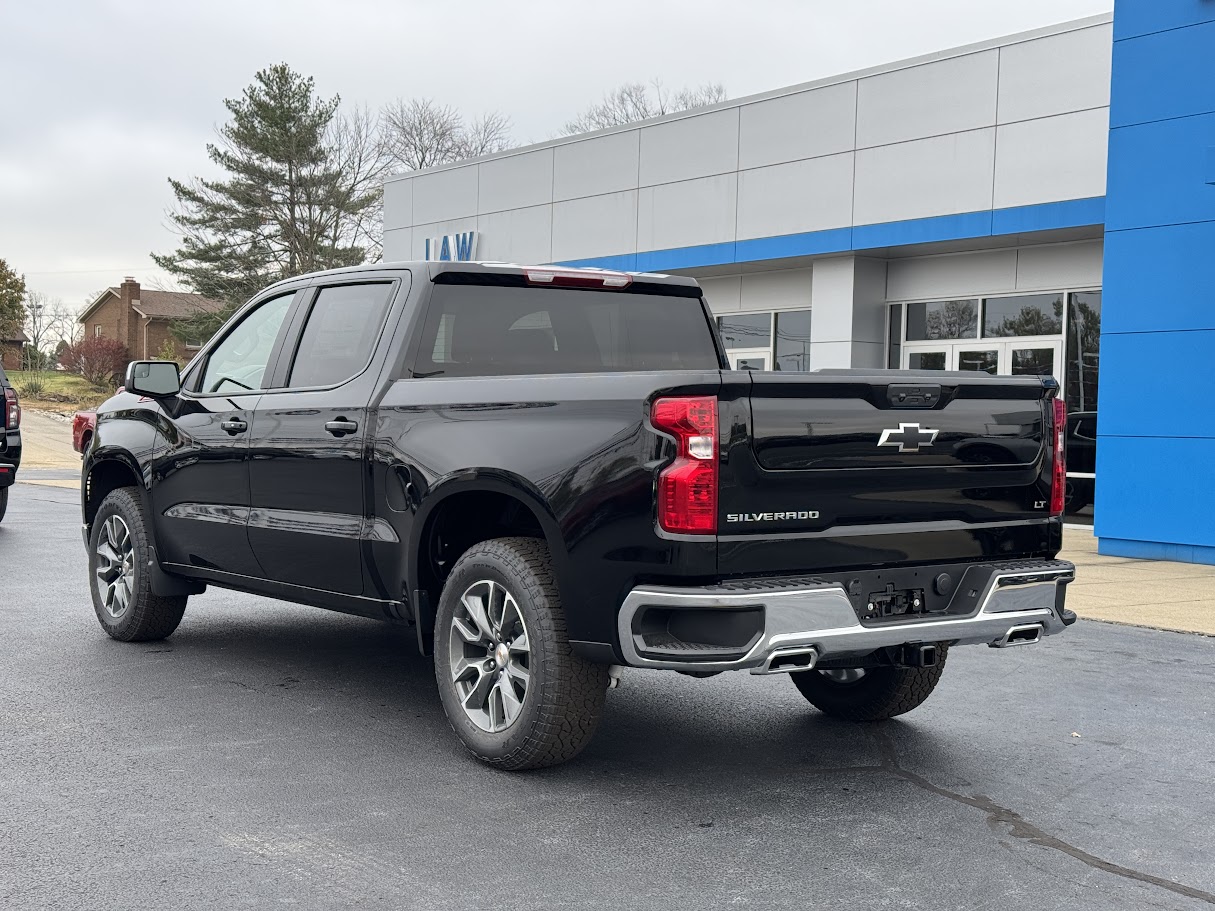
(848, 468)
(307, 517)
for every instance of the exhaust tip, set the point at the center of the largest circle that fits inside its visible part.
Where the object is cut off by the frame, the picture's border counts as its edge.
(788, 661)
(1026, 634)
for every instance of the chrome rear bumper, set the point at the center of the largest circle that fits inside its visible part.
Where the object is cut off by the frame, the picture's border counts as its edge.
(816, 619)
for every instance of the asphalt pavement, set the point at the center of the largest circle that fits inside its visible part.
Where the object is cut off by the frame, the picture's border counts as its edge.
(274, 755)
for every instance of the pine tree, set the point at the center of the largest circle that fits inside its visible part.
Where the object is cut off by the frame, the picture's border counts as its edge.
(285, 207)
(12, 308)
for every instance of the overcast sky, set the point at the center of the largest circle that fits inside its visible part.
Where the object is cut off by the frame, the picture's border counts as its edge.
(103, 100)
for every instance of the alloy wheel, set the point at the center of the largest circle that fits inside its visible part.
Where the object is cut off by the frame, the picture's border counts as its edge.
(115, 566)
(490, 656)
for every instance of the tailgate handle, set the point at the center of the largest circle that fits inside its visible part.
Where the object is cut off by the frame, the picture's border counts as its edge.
(917, 395)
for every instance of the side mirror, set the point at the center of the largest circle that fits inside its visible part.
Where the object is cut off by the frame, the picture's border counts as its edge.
(154, 379)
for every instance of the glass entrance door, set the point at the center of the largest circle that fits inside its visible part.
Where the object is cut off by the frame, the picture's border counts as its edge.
(1019, 358)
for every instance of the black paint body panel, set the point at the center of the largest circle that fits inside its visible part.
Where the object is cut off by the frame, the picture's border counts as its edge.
(291, 511)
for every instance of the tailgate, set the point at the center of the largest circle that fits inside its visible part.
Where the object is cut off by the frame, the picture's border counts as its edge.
(850, 468)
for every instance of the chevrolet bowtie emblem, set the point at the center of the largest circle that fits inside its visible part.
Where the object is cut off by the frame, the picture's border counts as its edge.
(909, 437)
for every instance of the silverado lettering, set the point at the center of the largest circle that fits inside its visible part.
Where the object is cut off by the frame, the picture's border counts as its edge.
(533, 470)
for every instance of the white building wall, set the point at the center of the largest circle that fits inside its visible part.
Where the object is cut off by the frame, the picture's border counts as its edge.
(1052, 267)
(1007, 123)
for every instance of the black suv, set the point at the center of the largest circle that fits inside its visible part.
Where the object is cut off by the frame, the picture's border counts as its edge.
(10, 439)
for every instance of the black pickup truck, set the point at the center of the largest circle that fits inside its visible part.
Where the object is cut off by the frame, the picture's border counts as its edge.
(552, 474)
(10, 438)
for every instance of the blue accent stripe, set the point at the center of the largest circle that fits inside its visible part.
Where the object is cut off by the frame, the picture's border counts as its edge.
(922, 230)
(706, 255)
(1072, 213)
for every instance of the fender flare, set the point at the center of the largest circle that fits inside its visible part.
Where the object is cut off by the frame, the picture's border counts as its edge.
(479, 480)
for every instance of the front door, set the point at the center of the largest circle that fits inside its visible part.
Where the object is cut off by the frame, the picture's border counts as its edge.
(200, 486)
(307, 518)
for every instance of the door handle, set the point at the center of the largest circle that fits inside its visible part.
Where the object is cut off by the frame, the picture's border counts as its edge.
(234, 426)
(341, 427)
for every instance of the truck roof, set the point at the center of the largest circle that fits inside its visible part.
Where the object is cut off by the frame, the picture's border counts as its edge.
(486, 267)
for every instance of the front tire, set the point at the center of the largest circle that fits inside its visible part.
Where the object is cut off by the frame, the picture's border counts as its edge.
(514, 691)
(871, 693)
(121, 583)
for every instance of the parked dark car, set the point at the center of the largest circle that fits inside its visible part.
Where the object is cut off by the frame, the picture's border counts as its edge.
(1081, 459)
(551, 474)
(10, 439)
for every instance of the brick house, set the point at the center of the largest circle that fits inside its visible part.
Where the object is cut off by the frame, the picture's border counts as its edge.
(10, 351)
(140, 318)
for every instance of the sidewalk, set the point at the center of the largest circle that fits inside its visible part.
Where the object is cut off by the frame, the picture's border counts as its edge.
(1155, 593)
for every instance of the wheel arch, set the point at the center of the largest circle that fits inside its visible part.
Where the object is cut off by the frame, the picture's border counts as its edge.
(107, 473)
(503, 504)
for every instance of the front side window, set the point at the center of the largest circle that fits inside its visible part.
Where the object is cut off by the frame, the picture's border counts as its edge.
(238, 363)
(942, 320)
(340, 334)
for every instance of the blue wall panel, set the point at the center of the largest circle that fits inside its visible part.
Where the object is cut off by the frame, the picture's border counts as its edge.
(1160, 279)
(1143, 17)
(1146, 400)
(1156, 489)
(1147, 91)
(1158, 173)
(1156, 422)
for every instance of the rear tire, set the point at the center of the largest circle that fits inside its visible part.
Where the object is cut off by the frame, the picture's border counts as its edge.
(514, 691)
(3, 502)
(876, 694)
(119, 577)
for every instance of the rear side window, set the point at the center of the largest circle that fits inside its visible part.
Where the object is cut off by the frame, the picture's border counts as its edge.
(479, 330)
(341, 332)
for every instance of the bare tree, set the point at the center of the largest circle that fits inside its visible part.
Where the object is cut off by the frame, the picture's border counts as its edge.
(420, 133)
(635, 101)
(46, 321)
(355, 143)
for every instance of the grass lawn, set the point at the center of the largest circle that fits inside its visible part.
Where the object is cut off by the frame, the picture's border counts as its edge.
(59, 391)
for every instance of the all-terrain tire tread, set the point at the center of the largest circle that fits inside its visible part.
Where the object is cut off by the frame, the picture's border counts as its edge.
(890, 691)
(570, 710)
(155, 616)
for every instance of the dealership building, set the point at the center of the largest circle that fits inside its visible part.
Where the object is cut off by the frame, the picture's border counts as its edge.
(1041, 203)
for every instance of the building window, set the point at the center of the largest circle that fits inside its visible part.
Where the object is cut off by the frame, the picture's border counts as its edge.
(96, 332)
(792, 340)
(746, 330)
(1029, 314)
(1083, 351)
(942, 320)
(894, 348)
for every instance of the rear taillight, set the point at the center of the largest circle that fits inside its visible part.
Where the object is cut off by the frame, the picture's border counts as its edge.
(1058, 484)
(12, 409)
(687, 488)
